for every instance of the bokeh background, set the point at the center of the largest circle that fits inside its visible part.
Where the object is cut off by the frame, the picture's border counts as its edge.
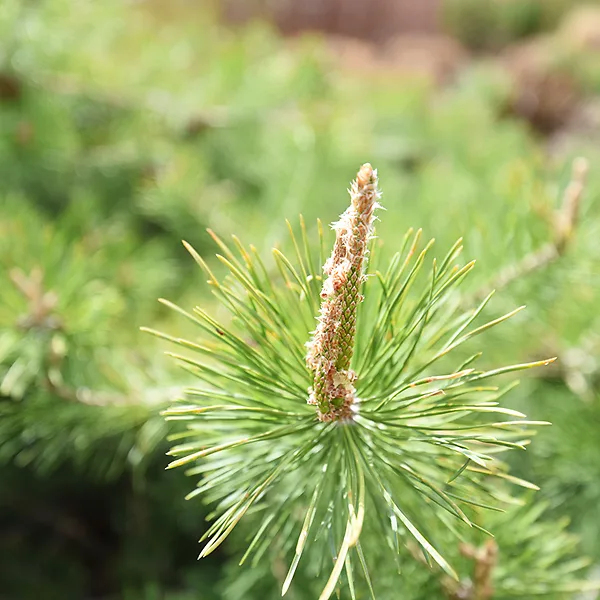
(126, 127)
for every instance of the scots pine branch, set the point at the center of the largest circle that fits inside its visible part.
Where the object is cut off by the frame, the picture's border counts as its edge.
(387, 425)
(564, 229)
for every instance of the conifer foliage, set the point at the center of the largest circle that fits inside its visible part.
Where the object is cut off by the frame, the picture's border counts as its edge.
(344, 432)
(387, 424)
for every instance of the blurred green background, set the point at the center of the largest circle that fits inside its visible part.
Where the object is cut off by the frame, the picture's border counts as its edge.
(126, 127)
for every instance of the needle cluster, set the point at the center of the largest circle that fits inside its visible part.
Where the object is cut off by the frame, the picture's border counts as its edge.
(422, 456)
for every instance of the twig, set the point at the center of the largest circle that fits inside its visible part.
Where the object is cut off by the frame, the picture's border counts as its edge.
(481, 585)
(41, 302)
(41, 315)
(565, 224)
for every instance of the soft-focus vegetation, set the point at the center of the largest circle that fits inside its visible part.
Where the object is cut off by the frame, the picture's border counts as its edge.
(123, 132)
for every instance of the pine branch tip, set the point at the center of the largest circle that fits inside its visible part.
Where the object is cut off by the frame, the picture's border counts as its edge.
(332, 346)
(245, 377)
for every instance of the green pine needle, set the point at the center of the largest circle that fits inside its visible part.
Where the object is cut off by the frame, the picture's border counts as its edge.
(426, 429)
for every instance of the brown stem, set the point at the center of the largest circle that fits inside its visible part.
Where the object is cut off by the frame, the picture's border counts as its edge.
(565, 224)
(480, 586)
(41, 315)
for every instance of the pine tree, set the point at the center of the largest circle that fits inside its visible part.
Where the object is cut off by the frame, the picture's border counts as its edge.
(112, 153)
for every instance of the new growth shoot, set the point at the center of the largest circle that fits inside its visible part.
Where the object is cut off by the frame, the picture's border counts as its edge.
(332, 347)
(424, 455)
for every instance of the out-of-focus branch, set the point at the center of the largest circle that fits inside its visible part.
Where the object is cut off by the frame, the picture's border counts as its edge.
(41, 315)
(41, 303)
(11, 89)
(195, 123)
(480, 586)
(565, 225)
